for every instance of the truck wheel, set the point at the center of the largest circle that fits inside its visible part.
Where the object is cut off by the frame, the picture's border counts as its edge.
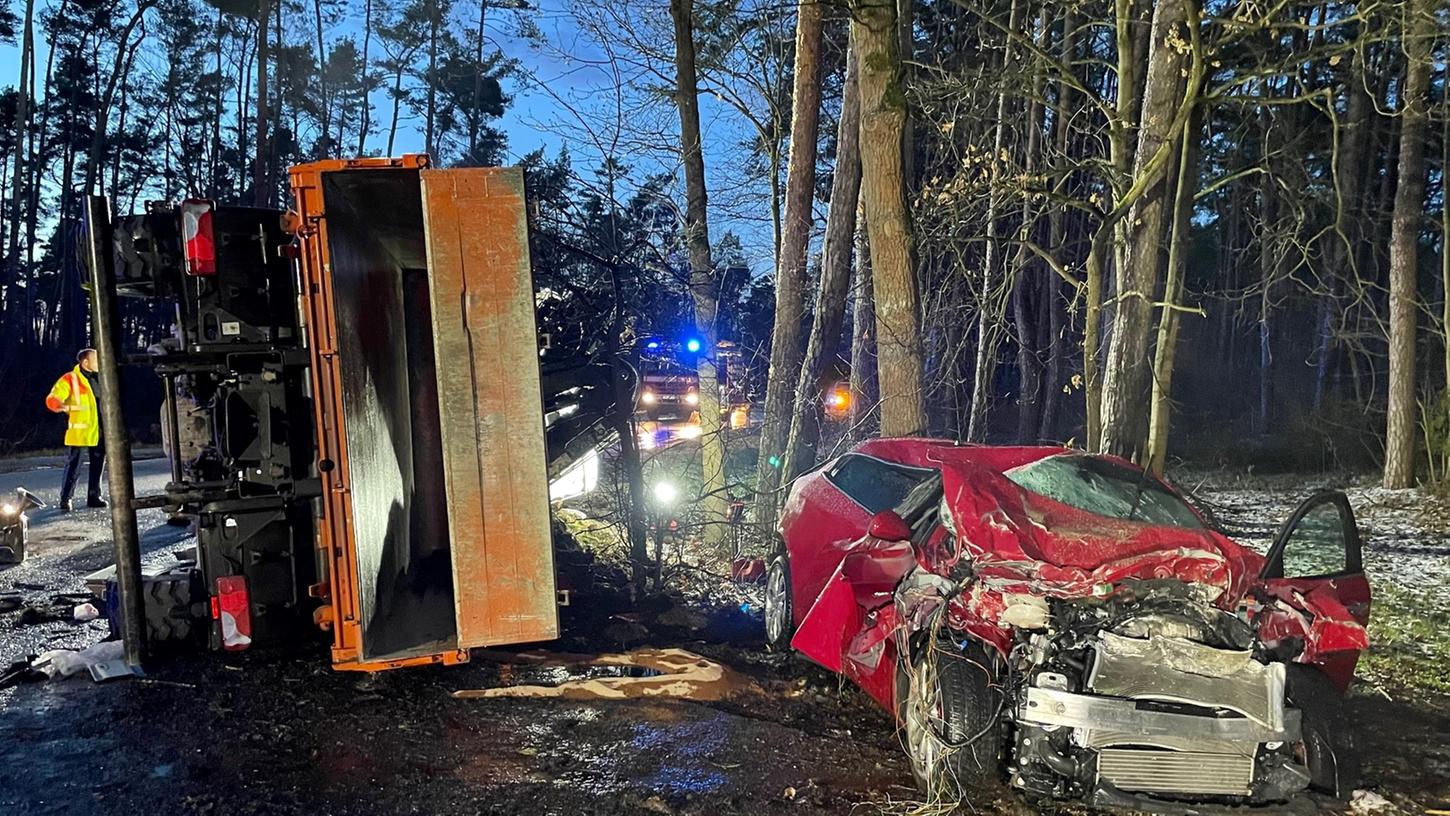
(950, 710)
(1328, 749)
(779, 609)
(171, 615)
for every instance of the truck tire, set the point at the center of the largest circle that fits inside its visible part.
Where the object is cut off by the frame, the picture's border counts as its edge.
(171, 616)
(779, 605)
(1329, 749)
(950, 709)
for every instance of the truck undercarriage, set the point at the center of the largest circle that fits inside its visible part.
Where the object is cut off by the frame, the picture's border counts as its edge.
(359, 417)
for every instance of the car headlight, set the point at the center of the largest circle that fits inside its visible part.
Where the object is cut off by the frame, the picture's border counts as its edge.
(648, 397)
(692, 398)
(665, 493)
(7, 509)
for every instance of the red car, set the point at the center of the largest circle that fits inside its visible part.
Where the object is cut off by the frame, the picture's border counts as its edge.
(1071, 624)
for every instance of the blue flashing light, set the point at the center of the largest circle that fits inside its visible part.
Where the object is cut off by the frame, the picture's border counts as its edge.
(653, 344)
(692, 345)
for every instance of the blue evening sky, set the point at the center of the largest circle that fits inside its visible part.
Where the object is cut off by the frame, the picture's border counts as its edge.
(565, 92)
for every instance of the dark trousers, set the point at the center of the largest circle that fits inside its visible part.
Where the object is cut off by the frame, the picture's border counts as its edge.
(97, 456)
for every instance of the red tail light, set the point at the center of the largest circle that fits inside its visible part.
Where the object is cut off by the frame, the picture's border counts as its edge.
(198, 239)
(232, 608)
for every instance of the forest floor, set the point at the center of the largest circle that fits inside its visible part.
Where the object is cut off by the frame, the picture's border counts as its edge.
(280, 733)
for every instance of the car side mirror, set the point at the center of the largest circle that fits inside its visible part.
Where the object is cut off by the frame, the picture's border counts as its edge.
(888, 526)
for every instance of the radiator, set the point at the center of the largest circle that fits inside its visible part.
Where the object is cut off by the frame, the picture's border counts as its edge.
(1177, 772)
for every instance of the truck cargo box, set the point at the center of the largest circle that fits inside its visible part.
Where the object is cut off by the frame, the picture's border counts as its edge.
(418, 301)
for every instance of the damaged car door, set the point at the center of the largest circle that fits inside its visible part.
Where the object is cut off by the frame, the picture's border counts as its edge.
(829, 512)
(1317, 597)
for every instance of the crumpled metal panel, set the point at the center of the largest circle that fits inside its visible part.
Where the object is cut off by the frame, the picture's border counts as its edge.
(1095, 739)
(490, 405)
(1184, 671)
(1095, 713)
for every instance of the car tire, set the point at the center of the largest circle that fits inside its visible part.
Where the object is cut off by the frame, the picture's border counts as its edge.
(779, 605)
(950, 710)
(1329, 748)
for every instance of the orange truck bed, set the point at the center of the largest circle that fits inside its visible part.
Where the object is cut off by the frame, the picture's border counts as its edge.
(418, 300)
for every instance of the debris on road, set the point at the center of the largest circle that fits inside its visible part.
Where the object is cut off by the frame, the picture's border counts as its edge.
(672, 673)
(66, 662)
(21, 671)
(1365, 802)
(85, 612)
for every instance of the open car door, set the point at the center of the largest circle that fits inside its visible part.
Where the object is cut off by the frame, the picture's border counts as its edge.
(418, 294)
(1316, 567)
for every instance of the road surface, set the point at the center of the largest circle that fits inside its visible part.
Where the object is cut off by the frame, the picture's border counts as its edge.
(273, 732)
(64, 547)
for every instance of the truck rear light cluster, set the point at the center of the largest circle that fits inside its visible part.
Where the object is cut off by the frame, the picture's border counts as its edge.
(198, 238)
(231, 606)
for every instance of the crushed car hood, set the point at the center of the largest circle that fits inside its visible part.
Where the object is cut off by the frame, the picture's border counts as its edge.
(1010, 533)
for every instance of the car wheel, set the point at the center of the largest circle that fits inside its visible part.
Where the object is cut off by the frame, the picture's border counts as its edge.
(1328, 750)
(779, 611)
(950, 710)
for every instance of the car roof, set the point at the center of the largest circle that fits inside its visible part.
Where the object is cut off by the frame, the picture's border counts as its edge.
(932, 453)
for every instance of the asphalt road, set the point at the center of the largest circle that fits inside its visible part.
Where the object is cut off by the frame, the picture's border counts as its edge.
(65, 547)
(44, 480)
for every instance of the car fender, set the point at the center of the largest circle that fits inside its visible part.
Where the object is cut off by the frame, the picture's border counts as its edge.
(849, 627)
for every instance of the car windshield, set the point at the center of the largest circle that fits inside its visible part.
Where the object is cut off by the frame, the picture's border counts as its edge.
(1105, 488)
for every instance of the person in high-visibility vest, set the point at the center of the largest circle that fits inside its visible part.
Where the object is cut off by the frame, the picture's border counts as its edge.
(74, 395)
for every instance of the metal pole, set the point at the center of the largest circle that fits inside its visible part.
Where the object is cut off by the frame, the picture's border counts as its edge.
(173, 426)
(105, 320)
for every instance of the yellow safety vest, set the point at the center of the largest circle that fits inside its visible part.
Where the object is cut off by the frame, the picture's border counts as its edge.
(73, 395)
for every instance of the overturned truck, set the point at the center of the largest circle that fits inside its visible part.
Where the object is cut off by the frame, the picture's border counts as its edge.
(356, 417)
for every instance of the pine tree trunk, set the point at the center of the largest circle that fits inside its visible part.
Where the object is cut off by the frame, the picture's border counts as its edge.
(215, 173)
(22, 126)
(1445, 250)
(1126, 374)
(326, 112)
(431, 110)
(800, 187)
(1272, 254)
(397, 102)
(993, 294)
(1166, 345)
(704, 288)
(367, 107)
(865, 390)
(259, 163)
(473, 115)
(1339, 255)
(125, 51)
(1404, 232)
(1029, 268)
(830, 311)
(1057, 238)
(883, 115)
